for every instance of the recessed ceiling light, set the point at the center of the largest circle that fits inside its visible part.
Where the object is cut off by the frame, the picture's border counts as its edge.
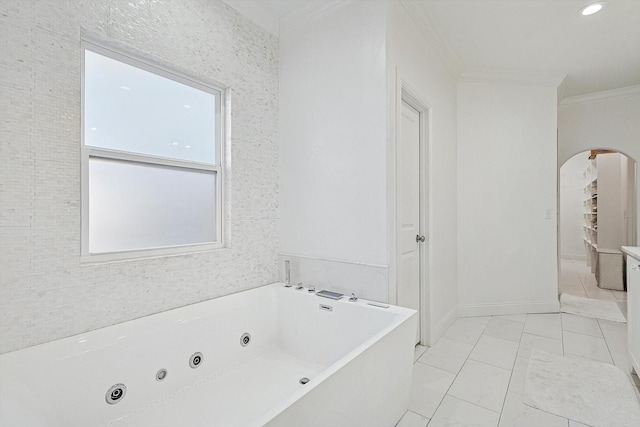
(592, 8)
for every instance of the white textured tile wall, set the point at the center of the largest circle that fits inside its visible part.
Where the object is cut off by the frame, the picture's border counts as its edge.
(45, 293)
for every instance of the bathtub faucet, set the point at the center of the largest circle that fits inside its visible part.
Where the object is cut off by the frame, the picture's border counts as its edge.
(287, 273)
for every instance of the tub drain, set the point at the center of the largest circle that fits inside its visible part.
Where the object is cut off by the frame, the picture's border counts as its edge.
(304, 380)
(115, 393)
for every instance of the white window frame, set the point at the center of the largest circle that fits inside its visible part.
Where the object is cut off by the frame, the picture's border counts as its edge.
(88, 152)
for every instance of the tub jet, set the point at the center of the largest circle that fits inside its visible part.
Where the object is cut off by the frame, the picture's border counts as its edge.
(195, 360)
(161, 375)
(115, 393)
(245, 339)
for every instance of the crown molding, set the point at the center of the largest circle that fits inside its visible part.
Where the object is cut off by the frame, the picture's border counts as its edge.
(309, 13)
(257, 13)
(604, 96)
(512, 77)
(429, 30)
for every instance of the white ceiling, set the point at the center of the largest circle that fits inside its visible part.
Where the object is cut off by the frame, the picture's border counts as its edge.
(282, 7)
(596, 53)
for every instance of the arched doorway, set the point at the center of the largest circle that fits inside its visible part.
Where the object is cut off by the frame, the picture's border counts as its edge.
(597, 200)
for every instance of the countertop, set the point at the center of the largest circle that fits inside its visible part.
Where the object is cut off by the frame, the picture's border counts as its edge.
(633, 251)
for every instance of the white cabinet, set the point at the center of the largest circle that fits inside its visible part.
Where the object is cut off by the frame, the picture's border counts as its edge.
(633, 305)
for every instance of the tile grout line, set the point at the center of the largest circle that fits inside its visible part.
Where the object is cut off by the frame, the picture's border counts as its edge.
(582, 282)
(575, 270)
(512, 369)
(413, 412)
(606, 343)
(475, 404)
(456, 377)
(562, 333)
(542, 336)
(563, 352)
(563, 355)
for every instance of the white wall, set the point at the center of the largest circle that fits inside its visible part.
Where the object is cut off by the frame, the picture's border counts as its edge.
(625, 165)
(333, 147)
(572, 182)
(337, 81)
(45, 293)
(507, 179)
(630, 198)
(411, 55)
(610, 227)
(603, 120)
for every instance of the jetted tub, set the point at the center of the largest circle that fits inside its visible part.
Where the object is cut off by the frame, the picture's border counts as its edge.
(255, 349)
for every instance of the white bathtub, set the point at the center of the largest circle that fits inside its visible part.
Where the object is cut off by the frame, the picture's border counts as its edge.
(358, 358)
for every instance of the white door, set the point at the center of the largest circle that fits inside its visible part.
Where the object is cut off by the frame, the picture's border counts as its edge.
(408, 210)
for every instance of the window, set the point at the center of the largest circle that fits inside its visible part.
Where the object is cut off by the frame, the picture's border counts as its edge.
(151, 159)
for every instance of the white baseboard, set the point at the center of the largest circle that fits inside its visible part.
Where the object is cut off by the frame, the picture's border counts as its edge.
(473, 310)
(440, 328)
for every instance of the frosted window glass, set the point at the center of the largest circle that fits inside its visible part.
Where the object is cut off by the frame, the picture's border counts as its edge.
(130, 109)
(138, 206)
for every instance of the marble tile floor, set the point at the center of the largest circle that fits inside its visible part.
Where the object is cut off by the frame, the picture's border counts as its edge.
(576, 279)
(474, 375)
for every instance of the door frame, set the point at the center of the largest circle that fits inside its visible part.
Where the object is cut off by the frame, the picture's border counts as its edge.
(407, 93)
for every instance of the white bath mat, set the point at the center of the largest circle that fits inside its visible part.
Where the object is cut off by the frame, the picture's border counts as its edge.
(607, 310)
(593, 393)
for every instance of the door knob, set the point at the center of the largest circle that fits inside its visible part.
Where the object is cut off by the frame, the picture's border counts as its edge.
(419, 238)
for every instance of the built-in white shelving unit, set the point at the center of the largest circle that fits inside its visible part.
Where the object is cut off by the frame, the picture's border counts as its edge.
(590, 203)
(604, 230)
